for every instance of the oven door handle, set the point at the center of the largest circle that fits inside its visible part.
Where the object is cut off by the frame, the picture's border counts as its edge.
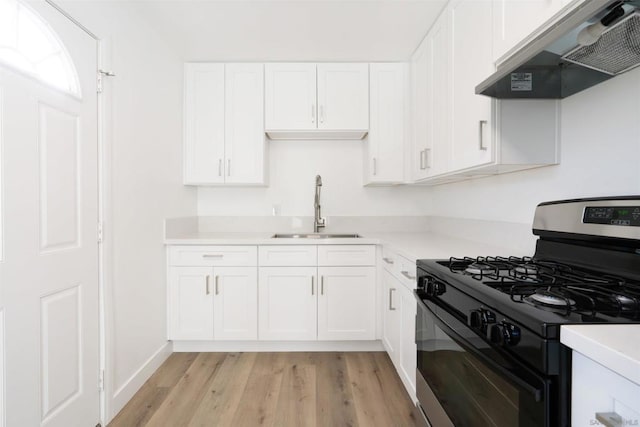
(536, 391)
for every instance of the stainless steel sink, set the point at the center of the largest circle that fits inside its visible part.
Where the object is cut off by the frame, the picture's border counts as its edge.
(315, 236)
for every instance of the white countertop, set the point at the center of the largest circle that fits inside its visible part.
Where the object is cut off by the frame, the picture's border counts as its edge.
(616, 347)
(413, 245)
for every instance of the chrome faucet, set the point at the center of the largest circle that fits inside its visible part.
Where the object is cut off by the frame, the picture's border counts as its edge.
(318, 222)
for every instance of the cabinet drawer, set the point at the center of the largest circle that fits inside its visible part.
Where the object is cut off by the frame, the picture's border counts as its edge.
(407, 271)
(287, 256)
(224, 256)
(389, 260)
(349, 255)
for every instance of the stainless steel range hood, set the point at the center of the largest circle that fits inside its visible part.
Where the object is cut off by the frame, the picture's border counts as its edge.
(592, 42)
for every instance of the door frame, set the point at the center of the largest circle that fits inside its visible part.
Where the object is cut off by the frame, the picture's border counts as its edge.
(104, 244)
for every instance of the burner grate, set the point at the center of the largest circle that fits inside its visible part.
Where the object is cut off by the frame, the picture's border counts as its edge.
(553, 285)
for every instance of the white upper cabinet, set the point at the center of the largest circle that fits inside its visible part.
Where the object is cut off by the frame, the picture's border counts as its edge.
(471, 62)
(343, 96)
(290, 94)
(317, 101)
(224, 141)
(244, 124)
(513, 20)
(203, 123)
(385, 143)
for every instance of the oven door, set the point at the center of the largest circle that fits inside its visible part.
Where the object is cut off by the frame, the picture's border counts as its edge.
(463, 381)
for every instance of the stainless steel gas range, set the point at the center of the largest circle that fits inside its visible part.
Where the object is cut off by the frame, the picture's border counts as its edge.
(488, 328)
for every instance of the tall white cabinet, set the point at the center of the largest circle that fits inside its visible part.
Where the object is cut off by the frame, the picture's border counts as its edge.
(224, 140)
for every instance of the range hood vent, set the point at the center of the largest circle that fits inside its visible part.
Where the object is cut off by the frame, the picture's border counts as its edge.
(584, 46)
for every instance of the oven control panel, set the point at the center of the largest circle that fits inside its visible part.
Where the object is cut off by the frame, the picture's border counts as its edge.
(627, 216)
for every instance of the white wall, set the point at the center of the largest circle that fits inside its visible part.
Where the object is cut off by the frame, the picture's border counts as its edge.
(600, 156)
(144, 156)
(293, 166)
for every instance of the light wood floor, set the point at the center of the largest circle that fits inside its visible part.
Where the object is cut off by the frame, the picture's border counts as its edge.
(271, 389)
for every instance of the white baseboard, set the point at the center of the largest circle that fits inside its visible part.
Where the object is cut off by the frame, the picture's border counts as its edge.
(133, 384)
(234, 346)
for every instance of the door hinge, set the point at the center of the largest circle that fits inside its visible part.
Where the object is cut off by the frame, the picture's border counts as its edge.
(101, 380)
(100, 232)
(99, 79)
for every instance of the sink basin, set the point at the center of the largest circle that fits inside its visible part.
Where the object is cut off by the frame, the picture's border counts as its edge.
(315, 236)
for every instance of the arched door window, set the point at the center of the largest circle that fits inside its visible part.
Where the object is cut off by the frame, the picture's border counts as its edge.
(29, 45)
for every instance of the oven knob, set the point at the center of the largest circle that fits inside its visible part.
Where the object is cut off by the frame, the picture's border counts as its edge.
(435, 288)
(475, 319)
(505, 334)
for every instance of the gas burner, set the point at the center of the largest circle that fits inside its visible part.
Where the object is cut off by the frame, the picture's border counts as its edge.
(546, 298)
(527, 269)
(477, 268)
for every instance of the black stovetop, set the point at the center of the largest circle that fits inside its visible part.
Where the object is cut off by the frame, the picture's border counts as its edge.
(541, 294)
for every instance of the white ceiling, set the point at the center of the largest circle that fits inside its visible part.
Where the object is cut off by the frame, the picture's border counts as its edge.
(301, 30)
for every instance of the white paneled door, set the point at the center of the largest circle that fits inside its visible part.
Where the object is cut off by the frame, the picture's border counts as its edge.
(49, 269)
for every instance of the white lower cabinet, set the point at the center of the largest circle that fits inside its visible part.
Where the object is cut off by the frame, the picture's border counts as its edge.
(346, 303)
(235, 303)
(399, 317)
(288, 303)
(391, 316)
(190, 303)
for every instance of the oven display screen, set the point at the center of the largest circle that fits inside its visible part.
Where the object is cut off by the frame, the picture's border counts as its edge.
(624, 215)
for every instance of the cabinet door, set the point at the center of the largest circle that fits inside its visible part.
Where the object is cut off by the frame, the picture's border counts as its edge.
(343, 96)
(190, 305)
(391, 316)
(346, 303)
(288, 303)
(422, 114)
(408, 350)
(438, 160)
(290, 96)
(386, 139)
(514, 20)
(235, 308)
(203, 146)
(244, 124)
(470, 59)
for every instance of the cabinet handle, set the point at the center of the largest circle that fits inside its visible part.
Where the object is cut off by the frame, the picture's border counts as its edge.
(388, 260)
(427, 163)
(422, 159)
(375, 169)
(217, 290)
(219, 167)
(228, 167)
(313, 113)
(312, 290)
(212, 256)
(321, 285)
(322, 114)
(391, 307)
(609, 419)
(481, 124)
(207, 284)
(407, 275)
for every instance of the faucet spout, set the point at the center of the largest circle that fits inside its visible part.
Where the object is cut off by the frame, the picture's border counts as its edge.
(318, 221)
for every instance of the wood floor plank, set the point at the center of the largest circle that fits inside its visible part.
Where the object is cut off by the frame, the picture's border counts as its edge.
(178, 407)
(335, 406)
(258, 407)
(152, 394)
(271, 389)
(297, 401)
(369, 397)
(224, 392)
(399, 404)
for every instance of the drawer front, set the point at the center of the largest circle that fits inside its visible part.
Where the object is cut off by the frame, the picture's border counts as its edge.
(407, 271)
(347, 255)
(221, 256)
(389, 260)
(287, 256)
